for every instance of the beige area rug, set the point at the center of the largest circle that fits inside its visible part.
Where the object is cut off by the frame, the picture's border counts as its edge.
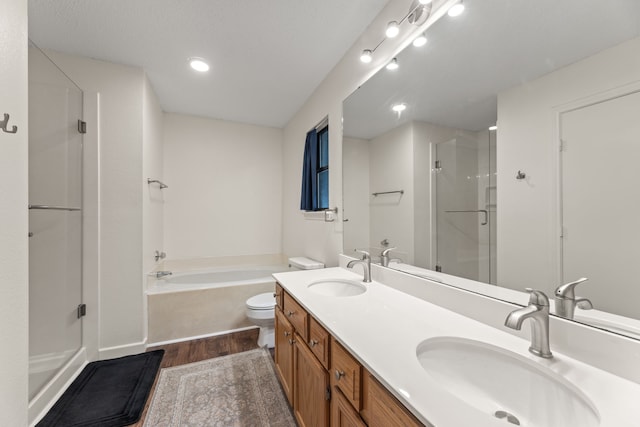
(236, 390)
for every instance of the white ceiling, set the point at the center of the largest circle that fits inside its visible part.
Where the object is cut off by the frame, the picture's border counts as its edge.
(266, 57)
(495, 45)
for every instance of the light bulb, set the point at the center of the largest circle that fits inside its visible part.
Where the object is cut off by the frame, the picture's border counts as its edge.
(425, 1)
(398, 108)
(393, 65)
(199, 64)
(456, 10)
(493, 127)
(421, 40)
(392, 29)
(366, 56)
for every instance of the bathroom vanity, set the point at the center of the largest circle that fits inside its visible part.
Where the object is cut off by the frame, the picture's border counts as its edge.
(354, 354)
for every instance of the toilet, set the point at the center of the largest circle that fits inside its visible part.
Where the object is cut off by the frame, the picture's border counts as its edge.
(260, 309)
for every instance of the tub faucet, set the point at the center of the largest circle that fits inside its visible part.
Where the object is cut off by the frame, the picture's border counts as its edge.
(161, 274)
(538, 312)
(366, 264)
(566, 300)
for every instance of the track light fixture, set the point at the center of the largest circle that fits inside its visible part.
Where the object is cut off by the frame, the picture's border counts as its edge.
(418, 14)
(421, 40)
(392, 29)
(456, 9)
(367, 56)
(393, 65)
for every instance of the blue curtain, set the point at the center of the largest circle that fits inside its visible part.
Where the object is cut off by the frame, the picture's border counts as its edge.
(309, 195)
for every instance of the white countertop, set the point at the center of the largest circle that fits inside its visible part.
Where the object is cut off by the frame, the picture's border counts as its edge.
(382, 328)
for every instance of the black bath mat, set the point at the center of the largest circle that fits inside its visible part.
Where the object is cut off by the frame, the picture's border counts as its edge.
(108, 393)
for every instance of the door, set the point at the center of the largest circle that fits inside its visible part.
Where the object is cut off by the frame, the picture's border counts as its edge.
(55, 220)
(464, 207)
(600, 202)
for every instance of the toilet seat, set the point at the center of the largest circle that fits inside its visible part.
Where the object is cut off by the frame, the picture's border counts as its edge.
(264, 301)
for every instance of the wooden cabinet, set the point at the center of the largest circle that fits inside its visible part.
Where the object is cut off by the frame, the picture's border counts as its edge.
(346, 373)
(279, 296)
(310, 388)
(313, 366)
(383, 409)
(284, 353)
(297, 316)
(342, 413)
(319, 341)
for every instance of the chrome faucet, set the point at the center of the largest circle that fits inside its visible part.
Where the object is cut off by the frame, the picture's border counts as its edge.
(566, 300)
(538, 312)
(366, 264)
(384, 256)
(161, 274)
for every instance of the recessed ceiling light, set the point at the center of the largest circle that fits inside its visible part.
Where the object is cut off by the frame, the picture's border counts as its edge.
(393, 65)
(199, 64)
(421, 40)
(456, 9)
(398, 108)
(425, 1)
(366, 56)
(392, 29)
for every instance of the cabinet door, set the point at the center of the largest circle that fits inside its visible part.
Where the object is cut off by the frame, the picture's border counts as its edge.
(311, 387)
(384, 410)
(342, 413)
(284, 354)
(319, 341)
(346, 374)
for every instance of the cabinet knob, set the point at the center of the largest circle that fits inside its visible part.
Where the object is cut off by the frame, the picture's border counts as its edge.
(339, 374)
(287, 333)
(313, 343)
(291, 341)
(290, 313)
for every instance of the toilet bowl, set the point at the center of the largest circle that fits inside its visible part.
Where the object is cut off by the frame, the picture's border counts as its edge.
(260, 309)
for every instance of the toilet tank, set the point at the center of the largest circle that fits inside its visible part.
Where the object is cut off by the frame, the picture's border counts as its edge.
(303, 263)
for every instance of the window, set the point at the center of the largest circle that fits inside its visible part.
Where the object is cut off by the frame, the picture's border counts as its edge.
(315, 170)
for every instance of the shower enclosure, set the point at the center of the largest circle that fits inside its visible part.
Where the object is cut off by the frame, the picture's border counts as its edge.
(465, 205)
(55, 220)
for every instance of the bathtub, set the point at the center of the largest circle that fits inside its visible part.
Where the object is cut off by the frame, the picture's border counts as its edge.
(215, 278)
(205, 302)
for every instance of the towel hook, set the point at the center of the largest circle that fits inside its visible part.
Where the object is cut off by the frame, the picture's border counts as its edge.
(5, 122)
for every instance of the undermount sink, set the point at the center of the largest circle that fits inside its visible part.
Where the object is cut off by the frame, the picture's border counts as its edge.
(337, 288)
(505, 385)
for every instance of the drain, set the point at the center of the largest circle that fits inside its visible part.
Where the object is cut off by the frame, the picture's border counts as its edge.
(509, 417)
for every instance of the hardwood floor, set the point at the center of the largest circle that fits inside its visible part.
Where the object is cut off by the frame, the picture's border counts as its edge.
(197, 350)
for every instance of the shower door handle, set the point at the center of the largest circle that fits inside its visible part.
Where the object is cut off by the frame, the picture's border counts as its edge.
(53, 208)
(484, 211)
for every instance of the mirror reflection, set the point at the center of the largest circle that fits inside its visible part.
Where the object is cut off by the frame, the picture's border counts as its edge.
(513, 160)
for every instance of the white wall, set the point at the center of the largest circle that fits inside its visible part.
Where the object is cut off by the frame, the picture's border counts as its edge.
(152, 167)
(357, 193)
(318, 239)
(391, 169)
(528, 141)
(225, 194)
(13, 216)
(121, 94)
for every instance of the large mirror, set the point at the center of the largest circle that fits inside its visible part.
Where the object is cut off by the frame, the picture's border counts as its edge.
(515, 160)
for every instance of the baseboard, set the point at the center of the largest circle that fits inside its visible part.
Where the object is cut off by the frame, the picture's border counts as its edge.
(155, 344)
(122, 350)
(51, 392)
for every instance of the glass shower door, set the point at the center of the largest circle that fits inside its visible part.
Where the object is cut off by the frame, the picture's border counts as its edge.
(465, 203)
(55, 220)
